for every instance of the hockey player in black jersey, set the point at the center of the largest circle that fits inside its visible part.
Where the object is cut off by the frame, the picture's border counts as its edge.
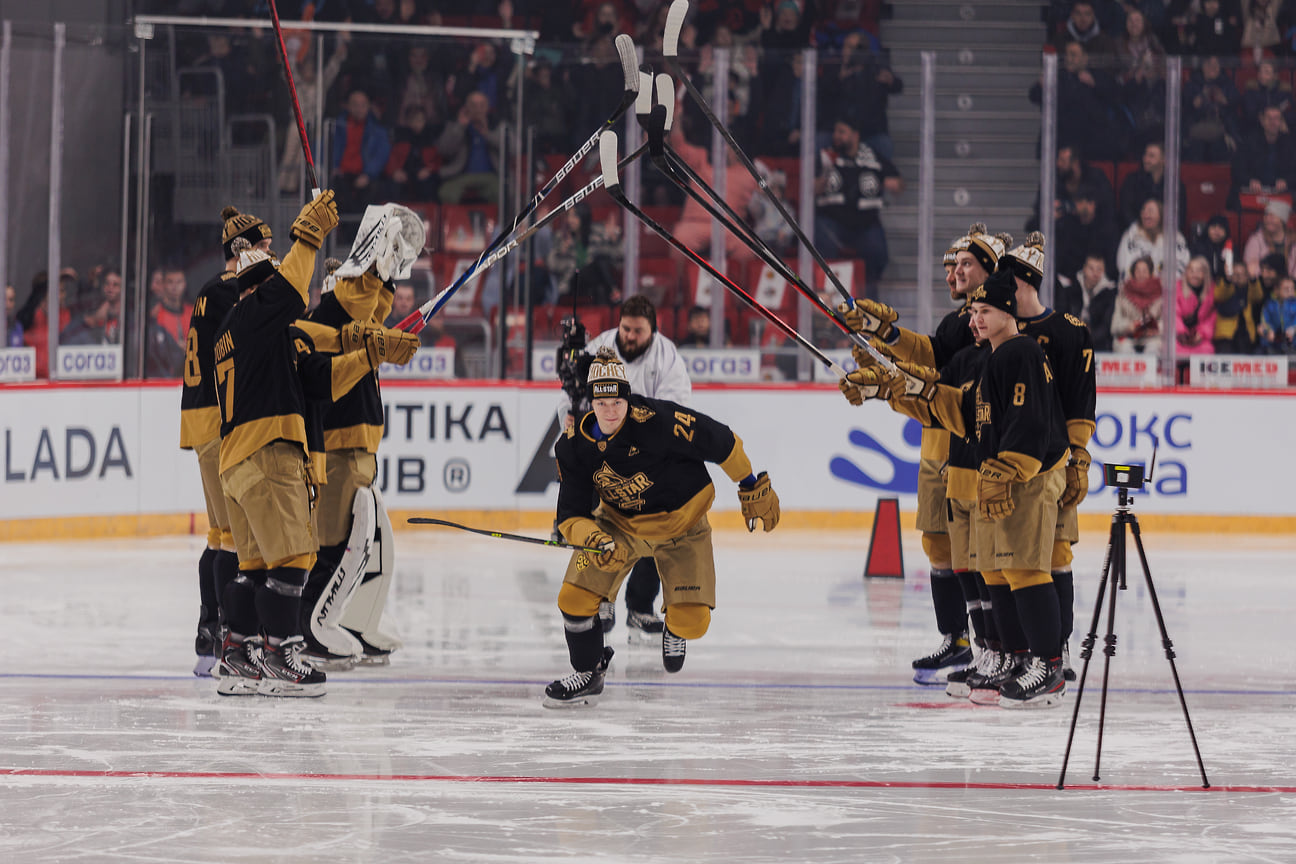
(200, 425)
(644, 461)
(1069, 348)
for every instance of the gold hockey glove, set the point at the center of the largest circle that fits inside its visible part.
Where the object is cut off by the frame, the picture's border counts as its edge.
(869, 317)
(916, 382)
(994, 490)
(613, 557)
(389, 346)
(351, 337)
(872, 383)
(865, 360)
(759, 501)
(1077, 477)
(316, 220)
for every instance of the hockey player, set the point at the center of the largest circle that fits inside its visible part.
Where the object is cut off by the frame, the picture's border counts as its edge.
(1069, 349)
(656, 370)
(265, 371)
(645, 460)
(347, 590)
(200, 426)
(975, 257)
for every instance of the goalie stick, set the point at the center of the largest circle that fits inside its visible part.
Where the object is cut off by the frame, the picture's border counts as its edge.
(500, 535)
(630, 68)
(670, 164)
(607, 157)
(670, 50)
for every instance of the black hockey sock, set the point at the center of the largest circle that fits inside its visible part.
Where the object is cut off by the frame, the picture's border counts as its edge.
(584, 642)
(972, 602)
(1064, 581)
(947, 599)
(207, 588)
(1007, 619)
(987, 611)
(278, 601)
(326, 562)
(225, 571)
(239, 602)
(641, 586)
(1037, 607)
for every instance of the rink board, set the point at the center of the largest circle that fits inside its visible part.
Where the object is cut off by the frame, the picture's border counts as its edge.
(111, 450)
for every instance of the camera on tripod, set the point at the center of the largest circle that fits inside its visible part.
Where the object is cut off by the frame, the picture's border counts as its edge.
(1123, 476)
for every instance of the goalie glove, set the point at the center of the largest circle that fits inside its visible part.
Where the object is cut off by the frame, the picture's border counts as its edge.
(316, 220)
(994, 490)
(872, 383)
(389, 241)
(868, 317)
(915, 382)
(759, 501)
(1077, 477)
(613, 557)
(389, 346)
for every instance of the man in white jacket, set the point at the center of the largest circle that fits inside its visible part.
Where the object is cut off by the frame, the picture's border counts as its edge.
(656, 370)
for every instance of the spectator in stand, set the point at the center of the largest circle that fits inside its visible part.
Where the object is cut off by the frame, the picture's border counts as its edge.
(1074, 173)
(412, 169)
(108, 282)
(1214, 31)
(862, 79)
(486, 73)
(783, 29)
(778, 130)
(1266, 160)
(1266, 90)
(361, 147)
(1209, 241)
(592, 248)
(469, 146)
(1137, 316)
(89, 325)
(765, 219)
(1210, 127)
(424, 87)
(403, 303)
(1142, 98)
(1149, 182)
(742, 68)
(698, 332)
(167, 327)
(1082, 27)
(1143, 239)
(1235, 294)
(1278, 321)
(1272, 270)
(547, 108)
(1090, 296)
(1084, 99)
(1260, 26)
(1082, 231)
(1138, 47)
(850, 183)
(1195, 309)
(1272, 236)
(308, 92)
(13, 327)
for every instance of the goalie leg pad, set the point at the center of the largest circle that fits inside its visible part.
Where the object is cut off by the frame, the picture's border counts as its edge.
(329, 608)
(365, 615)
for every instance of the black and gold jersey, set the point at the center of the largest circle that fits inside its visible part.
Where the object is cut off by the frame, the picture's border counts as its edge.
(649, 476)
(356, 418)
(952, 335)
(1069, 348)
(199, 411)
(1016, 412)
(963, 371)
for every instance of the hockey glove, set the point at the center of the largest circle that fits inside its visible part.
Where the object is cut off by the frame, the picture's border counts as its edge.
(870, 383)
(613, 557)
(389, 346)
(1077, 477)
(759, 501)
(316, 220)
(312, 483)
(351, 337)
(869, 317)
(864, 359)
(915, 382)
(994, 490)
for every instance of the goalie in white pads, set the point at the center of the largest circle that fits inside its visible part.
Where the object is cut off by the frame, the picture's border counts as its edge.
(347, 590)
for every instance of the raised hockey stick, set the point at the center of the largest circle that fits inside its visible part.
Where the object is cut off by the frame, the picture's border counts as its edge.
(630, 69)
(500, 535)
(670, 50)
(671, 164)
(607, 155)
(292, 91)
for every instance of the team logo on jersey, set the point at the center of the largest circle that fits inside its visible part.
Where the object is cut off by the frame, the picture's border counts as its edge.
(1073, 319)
(602, 445)
(982, 413)
(634, 451)
(623, 492)
(640, 414)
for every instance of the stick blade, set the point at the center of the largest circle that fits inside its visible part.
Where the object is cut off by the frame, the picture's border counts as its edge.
(629, 62)
(674, 24)
(608, 159)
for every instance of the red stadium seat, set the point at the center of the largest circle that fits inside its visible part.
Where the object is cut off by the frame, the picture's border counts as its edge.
(1207, 186)
(468, 227)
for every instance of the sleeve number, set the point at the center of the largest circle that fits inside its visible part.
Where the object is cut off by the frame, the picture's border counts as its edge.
(682, 428)
(1019, 394)
(225, 387)
(192, 372)
(1088, 357)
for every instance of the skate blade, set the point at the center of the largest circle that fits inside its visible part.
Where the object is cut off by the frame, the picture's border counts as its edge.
(984, 697)
(934, 677)
(580, 702)
(635, 636)
(1048, 700)
(271, 687)
(205, 667)
(330, 664)
(374, 660)
(235, 686)
(958, 691)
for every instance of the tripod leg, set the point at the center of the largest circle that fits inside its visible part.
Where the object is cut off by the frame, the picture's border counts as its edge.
(1086, 652)
(1109, 647)
(1168, 645)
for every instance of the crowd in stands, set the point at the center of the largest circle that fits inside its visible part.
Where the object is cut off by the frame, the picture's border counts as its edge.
(1237, 170)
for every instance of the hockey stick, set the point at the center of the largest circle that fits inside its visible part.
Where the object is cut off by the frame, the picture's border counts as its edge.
(671, 163)
(629, 67)
(670, 50)
(607, 156)
(292, 91)
(500, 535)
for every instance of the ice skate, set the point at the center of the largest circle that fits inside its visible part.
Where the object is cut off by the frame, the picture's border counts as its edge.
(643, 627)
(1040, 685)
(954, 653)
(285, 673)
(578, 689)
(239, 671)
(673, 648)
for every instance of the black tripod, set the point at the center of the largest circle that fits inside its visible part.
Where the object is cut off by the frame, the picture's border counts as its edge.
(1124, 478)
